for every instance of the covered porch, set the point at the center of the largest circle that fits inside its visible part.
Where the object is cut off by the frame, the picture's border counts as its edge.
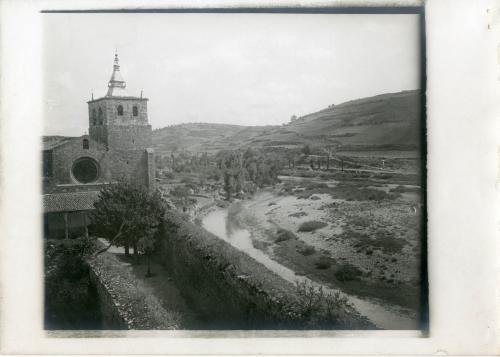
(67, 215)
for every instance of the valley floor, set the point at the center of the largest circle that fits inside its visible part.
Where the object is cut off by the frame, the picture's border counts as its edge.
(366, 247)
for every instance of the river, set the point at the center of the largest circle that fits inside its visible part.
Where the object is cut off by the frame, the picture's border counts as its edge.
(382, 315)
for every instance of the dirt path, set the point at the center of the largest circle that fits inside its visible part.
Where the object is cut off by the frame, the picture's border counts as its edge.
(160, 285)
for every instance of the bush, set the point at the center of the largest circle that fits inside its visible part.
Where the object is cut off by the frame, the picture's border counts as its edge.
(311, 226)
(382, 240)
(404, 189)
(308, 250)
(70, 301)
(316, 185)
(297, 214)
(320, 309)
(347, 272)
(323, 263)
(169, 175)
(351, 192)
(284, 235)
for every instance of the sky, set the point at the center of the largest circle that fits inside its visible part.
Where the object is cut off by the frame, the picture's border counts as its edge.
(246, 69)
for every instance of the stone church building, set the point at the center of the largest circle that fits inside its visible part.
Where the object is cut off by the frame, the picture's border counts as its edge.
(118, 147)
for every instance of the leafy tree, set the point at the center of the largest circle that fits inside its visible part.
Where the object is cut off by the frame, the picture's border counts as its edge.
(330, 152)
(239, 167)
(125, 213)
(228, 184)
(147, 245)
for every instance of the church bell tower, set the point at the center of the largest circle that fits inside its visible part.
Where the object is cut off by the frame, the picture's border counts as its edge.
(120, 120)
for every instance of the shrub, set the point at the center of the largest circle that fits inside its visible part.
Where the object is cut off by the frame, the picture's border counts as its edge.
(347, 272)
(169, 175)
(403, 189)
(284, 235)
(311, 226)
(320, 309)
(304, 195)
(297, 214)
(187, 180)
(70, 301)
(308, 250)
(351, 192)
(316, 185)
(323, 263)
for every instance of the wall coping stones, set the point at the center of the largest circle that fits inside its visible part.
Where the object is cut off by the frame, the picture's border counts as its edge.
(127, 296)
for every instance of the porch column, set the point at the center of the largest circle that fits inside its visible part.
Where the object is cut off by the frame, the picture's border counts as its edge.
(66, 235)
(85, 224)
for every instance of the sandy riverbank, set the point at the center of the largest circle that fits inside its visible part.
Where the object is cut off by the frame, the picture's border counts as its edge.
(389, 270)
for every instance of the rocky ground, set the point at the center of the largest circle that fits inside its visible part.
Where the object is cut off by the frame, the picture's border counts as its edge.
(368, 247)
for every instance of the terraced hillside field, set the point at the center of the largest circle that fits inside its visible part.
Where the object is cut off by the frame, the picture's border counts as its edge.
(384, 122)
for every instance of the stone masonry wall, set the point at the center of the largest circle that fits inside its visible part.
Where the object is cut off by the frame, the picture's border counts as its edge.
(109, 106)
(226, 286)
(124, 300)
(231, 290)
(114, 165)
(129, 137)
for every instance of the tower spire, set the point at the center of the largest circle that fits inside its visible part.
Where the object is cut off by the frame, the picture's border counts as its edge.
(116, 85)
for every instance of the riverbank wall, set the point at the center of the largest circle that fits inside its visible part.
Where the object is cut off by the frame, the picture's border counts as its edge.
(229, 289)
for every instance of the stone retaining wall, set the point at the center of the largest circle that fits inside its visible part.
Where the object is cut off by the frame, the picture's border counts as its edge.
(124, 300)
(229, 289)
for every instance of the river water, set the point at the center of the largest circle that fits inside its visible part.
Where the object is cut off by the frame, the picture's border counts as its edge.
(382, 316)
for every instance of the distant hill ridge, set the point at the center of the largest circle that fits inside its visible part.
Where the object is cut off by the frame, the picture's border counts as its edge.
(388, 121)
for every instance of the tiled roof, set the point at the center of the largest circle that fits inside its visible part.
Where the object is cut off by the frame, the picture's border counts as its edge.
(51, 142)
(70, 201)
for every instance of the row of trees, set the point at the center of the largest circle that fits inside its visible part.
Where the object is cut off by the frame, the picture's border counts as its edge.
(183, 161)
(245, 170)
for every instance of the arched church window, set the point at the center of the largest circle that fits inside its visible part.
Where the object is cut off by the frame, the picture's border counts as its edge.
(120, 110)
(86, 143)
(94, 117)
(100, 116)
(135, 111)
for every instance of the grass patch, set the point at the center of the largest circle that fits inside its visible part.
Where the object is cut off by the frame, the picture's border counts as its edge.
(382, 240)
(311, 226)
(406, 189)
(352, 192)
(347, 272)
(347, 190)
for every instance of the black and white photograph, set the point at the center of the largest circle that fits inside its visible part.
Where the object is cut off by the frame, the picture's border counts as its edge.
(234, 171)
(249, 177)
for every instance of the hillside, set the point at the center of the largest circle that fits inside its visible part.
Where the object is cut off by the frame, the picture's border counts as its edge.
(204, 136)
(192, 136)
(383, 122)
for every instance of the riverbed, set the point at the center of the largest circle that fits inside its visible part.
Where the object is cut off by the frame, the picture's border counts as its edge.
(218, 222)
